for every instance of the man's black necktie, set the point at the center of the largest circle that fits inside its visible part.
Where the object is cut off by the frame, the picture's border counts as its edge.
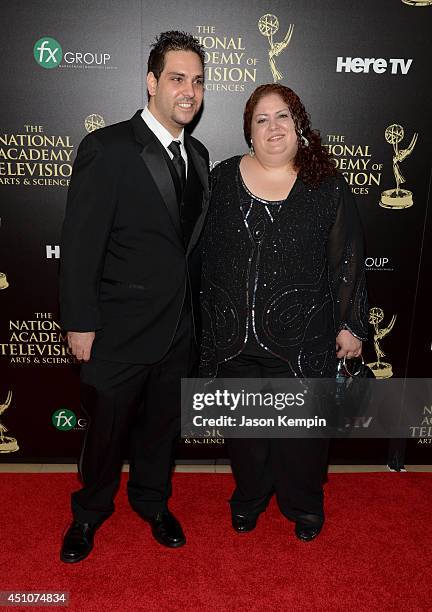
(178, 163)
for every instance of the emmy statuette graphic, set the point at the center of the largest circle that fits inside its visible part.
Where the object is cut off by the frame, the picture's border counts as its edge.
(3, 281)
(7, 443)
(418, 2)
(378, 367)
(94, 122)
(268, 25)
(397, 198)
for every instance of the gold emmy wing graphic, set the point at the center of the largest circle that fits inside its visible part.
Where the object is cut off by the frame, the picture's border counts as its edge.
(380, 368)
(3, 281)
(268, 25)
(7, 443)
(418, 2)
(397, 198)
(94, 122)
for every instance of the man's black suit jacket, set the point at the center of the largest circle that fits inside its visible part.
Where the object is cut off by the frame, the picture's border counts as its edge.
(124, 264)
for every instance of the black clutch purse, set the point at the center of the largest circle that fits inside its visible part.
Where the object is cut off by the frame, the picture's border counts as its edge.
(356, 367)
(352, 393)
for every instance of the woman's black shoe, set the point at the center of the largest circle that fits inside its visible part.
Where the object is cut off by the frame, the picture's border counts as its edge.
(243, 523)
(306, 533)
(167, 530)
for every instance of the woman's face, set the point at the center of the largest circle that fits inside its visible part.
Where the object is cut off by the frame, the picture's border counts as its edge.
(272, 130)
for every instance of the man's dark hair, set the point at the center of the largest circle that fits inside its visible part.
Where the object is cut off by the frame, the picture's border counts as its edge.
(172, 41)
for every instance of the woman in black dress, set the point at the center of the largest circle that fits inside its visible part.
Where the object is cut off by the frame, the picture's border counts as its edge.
(283, 292)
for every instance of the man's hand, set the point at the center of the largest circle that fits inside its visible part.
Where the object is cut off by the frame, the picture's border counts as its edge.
(348, 345)
(80, 344)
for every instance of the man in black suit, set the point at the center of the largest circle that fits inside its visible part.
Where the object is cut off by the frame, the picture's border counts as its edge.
(129, 285)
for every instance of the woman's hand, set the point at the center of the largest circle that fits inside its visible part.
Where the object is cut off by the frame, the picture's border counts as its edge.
(348, 345)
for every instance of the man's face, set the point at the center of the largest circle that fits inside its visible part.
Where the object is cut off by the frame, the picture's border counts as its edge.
(177, 96)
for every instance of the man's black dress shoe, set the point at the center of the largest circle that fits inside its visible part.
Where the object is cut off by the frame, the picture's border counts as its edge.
(77, 542)
(167, 530)
(243, 523)
(306, 533)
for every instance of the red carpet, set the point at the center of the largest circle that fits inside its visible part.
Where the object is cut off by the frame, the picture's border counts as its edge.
(374, 553)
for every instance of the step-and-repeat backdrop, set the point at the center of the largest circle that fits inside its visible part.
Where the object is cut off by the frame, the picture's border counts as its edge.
(363, 72)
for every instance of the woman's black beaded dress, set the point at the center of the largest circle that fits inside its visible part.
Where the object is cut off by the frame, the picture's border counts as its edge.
(281, 278)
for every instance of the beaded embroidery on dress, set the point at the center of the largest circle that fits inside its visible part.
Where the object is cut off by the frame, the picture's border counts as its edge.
(286, 276)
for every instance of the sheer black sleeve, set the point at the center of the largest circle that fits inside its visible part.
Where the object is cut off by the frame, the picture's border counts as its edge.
(345, 255)
(208, 359)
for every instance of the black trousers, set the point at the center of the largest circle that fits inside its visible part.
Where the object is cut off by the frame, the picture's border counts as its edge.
(133, 410)
(293, 468)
